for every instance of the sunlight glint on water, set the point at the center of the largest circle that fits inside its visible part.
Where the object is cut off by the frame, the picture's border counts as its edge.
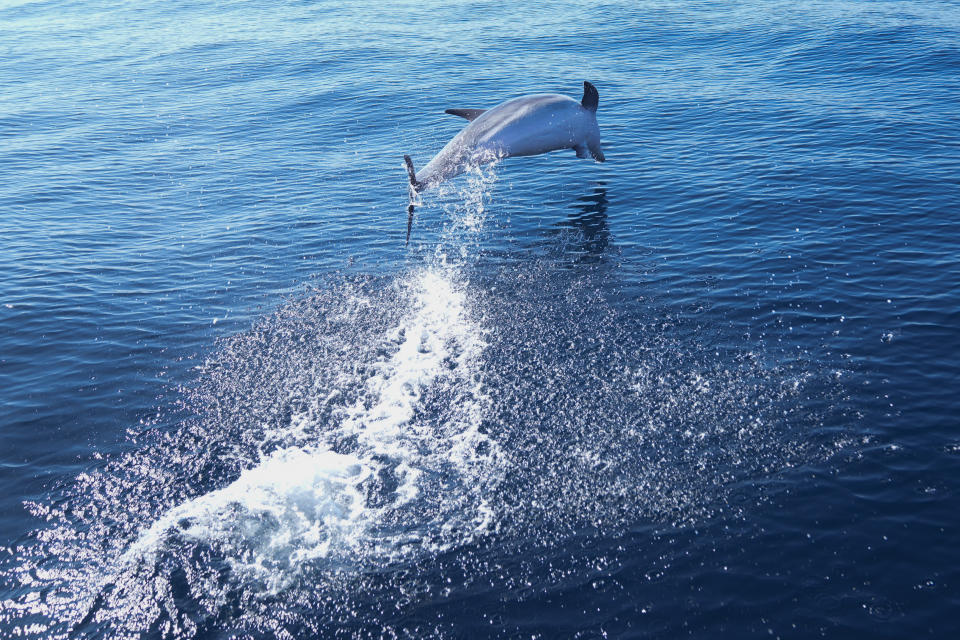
(310, 504)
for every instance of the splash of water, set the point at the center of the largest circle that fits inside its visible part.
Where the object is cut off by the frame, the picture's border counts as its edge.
(373, 426)
(351, 488)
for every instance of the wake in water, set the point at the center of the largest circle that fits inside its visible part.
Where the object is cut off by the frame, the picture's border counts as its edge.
(354, 465)
(348, 483)
(327, 462)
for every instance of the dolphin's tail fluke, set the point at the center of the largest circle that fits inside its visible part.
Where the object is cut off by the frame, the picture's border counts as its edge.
(415, 185)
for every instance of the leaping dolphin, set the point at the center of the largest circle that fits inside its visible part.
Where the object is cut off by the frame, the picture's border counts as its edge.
(524, 126)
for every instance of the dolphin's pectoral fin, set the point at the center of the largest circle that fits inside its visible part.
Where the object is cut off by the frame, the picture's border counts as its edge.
(469, 114)
(582, 151)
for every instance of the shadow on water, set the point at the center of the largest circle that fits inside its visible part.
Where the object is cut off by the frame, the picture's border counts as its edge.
(588, 223)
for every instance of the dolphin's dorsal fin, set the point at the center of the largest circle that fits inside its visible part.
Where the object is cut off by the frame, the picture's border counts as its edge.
(590, 97)
(469, 114)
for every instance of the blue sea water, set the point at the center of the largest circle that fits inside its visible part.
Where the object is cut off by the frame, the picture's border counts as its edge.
(705, 389)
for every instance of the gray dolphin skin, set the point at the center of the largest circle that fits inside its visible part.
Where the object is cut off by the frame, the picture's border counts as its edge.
(524, 126)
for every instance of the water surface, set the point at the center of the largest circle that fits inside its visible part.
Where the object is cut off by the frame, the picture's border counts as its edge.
(705, 389)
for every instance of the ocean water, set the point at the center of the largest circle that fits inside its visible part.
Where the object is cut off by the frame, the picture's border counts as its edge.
(705, 389)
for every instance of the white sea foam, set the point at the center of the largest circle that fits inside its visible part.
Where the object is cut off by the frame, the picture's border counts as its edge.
(339, 504)
(295, 505)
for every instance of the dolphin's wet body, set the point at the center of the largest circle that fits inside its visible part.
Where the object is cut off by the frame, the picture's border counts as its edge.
(524, 126)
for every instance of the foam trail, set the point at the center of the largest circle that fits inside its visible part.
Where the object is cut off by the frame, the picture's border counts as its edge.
(437, 338)
(340, 504)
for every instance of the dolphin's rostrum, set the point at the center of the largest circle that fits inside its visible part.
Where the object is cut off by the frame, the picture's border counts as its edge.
(524, 126)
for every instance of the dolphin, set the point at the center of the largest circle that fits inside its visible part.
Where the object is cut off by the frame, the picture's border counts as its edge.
(524, 126)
